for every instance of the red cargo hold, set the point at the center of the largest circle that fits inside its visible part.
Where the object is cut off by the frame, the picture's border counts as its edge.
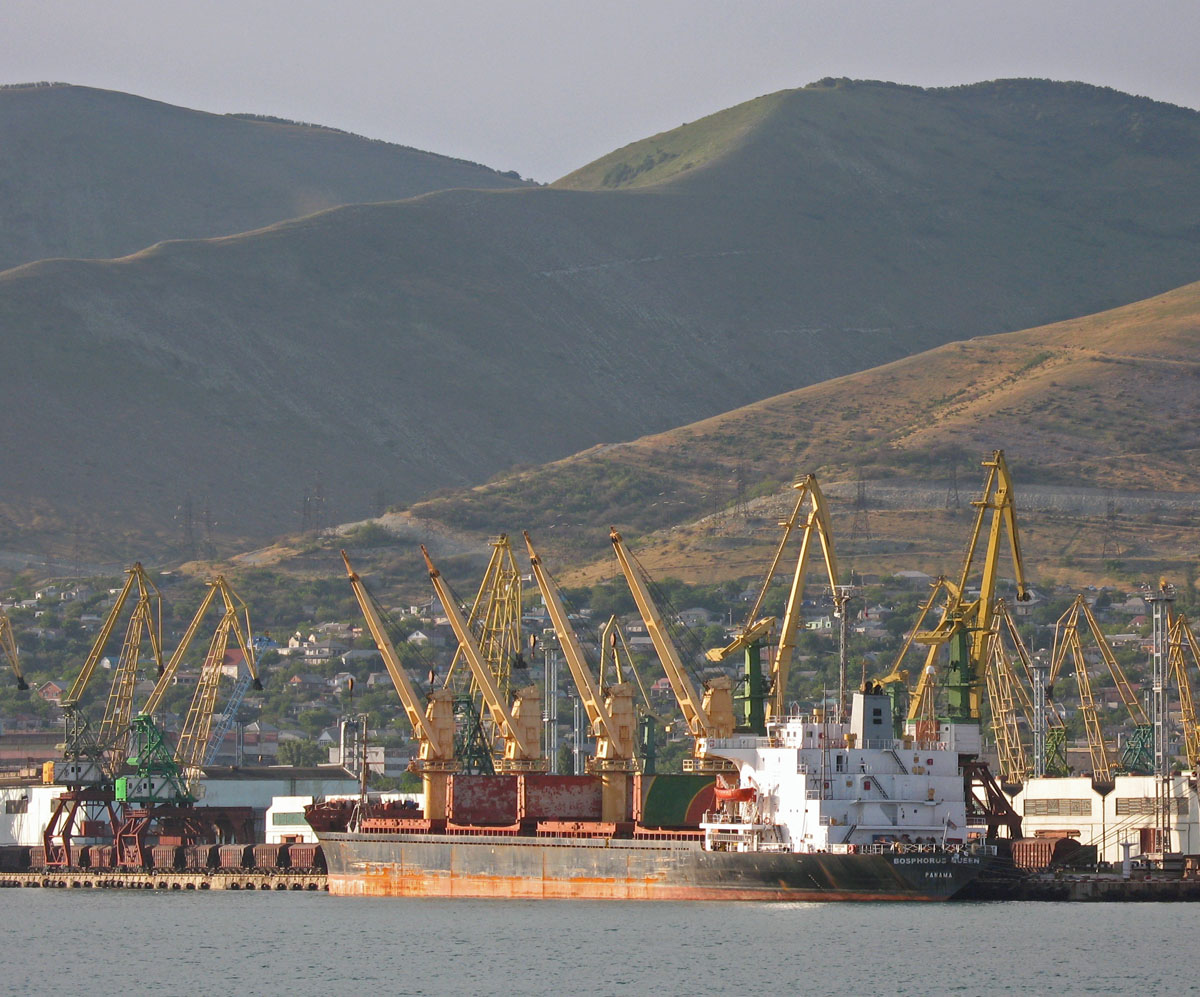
(483, 799)
(559, 798)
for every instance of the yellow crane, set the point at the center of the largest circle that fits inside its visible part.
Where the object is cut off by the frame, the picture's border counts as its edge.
(1067, 643)
(108, 747)
(1138, 752)
(1183, 647)
(8, 643)
(757, 631)
(433, 726)
(192, 744)
(707, 717)
(965, 624)
(519, 727)
(1007, 697)
(92, 761)
(609, 710)
(495, 620)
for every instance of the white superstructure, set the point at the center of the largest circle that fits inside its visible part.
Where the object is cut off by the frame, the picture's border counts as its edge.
(812, 785)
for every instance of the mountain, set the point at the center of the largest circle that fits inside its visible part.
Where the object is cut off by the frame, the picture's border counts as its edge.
(94, 173)
(390, 350)
(1099, 418)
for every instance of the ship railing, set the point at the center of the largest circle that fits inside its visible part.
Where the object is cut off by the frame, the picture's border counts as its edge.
(734, 742)
(721, 817)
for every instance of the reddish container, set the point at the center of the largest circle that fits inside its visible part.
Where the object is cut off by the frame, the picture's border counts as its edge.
(101, 856)
(37, 857)
(166, 857)
(559, 798)
(270, 856)
(304, 857)
(483, 799)
(198, 857)
(236, 856)
(1042, 852)
(79, 856)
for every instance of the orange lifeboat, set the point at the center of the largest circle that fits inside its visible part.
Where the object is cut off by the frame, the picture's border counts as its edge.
(735, 794)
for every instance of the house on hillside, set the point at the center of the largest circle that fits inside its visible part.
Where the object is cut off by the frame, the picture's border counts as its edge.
(52, 692)
(307, 682)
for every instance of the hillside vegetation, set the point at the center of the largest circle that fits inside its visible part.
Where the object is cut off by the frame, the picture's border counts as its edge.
(93, 173)
(1105, 408)
(396, 349)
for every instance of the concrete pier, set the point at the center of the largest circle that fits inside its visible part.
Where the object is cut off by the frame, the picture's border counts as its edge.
(120, 879)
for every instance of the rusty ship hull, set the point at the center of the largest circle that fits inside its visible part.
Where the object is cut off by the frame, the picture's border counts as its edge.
(503, 866)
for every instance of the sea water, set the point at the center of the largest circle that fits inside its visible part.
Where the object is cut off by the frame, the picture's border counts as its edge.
(123, 942)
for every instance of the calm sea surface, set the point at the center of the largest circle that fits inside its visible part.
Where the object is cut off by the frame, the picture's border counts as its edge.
(114, 942)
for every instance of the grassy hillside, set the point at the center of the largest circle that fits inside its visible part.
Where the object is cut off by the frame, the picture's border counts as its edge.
(93, 173)
(402, 348)
(1099, 418)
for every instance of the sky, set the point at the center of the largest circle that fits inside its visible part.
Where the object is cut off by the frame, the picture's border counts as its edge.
(546, 86)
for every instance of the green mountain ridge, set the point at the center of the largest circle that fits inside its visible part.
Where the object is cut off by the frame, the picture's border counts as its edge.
(405, 347)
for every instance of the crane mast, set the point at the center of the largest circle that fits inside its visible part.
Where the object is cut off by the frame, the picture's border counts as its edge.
(520, 727)
(107, 749)
(1183, 644)
(1067, 643)
(756, 631)
(965, 625)
(710, 717)
(192, 745)
(495, 619)
(92, 760)
(432, 727)
(610, 712)
(8, 643)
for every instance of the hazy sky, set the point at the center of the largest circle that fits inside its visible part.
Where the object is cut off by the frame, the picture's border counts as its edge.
(544, 87)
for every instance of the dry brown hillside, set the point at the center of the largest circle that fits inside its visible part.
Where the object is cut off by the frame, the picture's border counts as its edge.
(1099, 418)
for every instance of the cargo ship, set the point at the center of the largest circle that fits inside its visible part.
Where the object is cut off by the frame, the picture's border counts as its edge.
(817, 809)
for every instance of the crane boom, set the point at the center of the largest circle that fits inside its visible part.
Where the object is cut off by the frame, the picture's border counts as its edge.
(710, 717)
(154, 700)
(134, 575)
(519, 728)
(1183, 638)
(756, 629)
(404, 688)
(8, 643)
(1067, 643)
(433, 728)
(818, 522)
(965, 626)
(192, 745)
(218, 586)
(576, 661)
(617, 743)
(611, 718)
